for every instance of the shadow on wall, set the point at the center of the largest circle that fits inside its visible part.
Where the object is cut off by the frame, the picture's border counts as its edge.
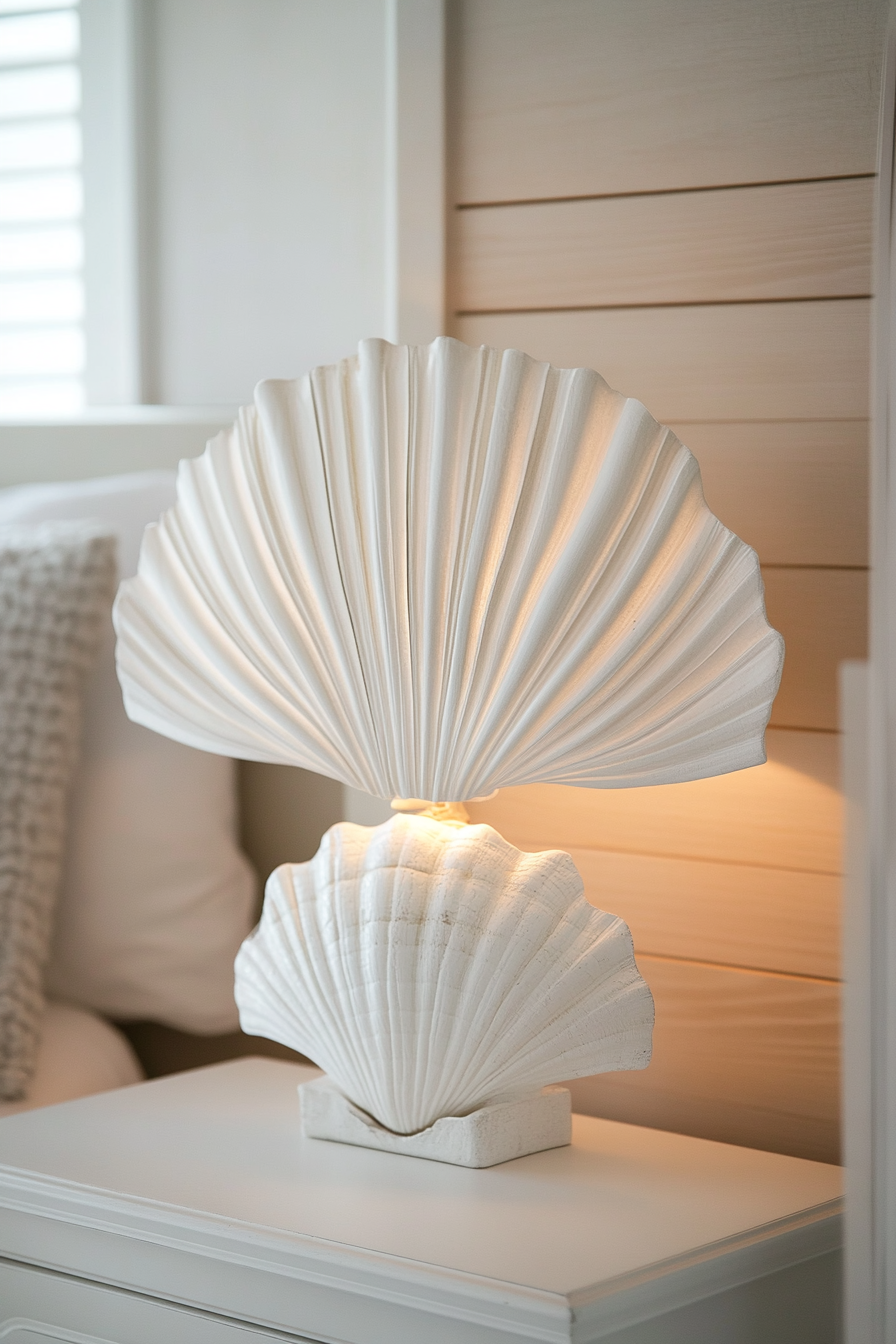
(162, 1050)
(284, 811)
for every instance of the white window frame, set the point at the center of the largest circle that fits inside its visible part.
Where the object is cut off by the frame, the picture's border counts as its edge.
(111, 235)
(415, 171)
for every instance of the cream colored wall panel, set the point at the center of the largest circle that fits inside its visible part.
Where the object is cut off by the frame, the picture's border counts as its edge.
(796, 492)
(745, 1036)
(780, 242)
(823, 616)
(751, 361)
(760, 918)
(730, 884)
(575, 98)
(784, 814)
(738, 1041)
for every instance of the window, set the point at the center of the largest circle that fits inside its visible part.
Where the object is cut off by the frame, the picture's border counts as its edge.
(42, 355)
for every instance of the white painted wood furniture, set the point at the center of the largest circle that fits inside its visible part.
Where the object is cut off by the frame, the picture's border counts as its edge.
(191, 1210)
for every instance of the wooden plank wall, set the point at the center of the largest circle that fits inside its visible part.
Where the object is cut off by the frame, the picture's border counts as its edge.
(680, 196)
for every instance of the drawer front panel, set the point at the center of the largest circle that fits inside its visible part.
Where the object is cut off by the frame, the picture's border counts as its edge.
(38, 1306)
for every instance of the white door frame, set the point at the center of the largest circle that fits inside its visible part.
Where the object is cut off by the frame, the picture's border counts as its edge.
(870, 913)
(415, 171)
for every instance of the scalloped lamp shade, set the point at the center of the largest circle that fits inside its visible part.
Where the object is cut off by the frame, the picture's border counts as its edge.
(437, 571)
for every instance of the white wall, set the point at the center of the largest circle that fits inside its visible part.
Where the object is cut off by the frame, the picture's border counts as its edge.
(291, 202)
(264, 190)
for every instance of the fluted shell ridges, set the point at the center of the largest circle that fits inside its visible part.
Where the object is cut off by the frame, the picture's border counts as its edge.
(436, 571)
(429, 968)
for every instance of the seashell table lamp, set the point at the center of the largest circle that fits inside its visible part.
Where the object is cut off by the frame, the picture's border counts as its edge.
(433, 572)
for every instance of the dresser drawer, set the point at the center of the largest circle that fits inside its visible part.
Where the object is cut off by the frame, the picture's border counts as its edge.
(37, 1306)
(799, 1305)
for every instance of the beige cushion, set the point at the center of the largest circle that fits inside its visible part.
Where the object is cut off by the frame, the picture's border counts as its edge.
(80, 1053)
(56, 580)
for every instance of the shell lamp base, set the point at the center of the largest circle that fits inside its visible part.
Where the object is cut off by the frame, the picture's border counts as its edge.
(495, 1133)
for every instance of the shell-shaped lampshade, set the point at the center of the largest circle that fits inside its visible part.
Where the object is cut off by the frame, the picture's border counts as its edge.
(436, 571)
(430, 968)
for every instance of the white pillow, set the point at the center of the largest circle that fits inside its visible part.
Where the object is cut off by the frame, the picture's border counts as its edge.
(156, 895)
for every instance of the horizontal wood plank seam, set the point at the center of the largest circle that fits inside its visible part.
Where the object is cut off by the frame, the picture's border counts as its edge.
(625, 1079)
(775, 564)
(803, 420)
(660, 191)
(742, 970)
(678, 303)
(779, 420)
(803, 728)
(690, 858)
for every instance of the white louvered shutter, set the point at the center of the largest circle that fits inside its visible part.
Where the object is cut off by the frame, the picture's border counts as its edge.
(41, 208)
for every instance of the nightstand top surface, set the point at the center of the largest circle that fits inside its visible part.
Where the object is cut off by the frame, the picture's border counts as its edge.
(224, 1143)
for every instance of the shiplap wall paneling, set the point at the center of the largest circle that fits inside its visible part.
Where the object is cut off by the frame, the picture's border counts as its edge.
(734, 245)
(749, 361)
(680, 196)
(736, 914)
(575, 98)
(740, 1056)
(743, 870)
(823, 616)
(797, 492)
(784, 814)
(731, 889)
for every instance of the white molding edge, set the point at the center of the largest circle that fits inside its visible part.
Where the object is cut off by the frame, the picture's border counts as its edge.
(871, 1314)
(857, 1014)
(62, 1226)
(106, 441)
(415, 230)
(112, 319)
(122, 416)
(415, 171)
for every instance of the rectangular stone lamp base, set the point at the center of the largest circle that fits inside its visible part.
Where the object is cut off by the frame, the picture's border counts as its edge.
(495, 1133)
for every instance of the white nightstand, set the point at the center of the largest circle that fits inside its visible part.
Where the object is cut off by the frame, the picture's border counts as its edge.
(191, 1211)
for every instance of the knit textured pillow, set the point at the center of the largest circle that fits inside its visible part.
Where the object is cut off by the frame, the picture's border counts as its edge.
(56, 583)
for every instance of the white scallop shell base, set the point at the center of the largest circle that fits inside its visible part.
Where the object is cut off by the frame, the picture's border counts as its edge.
(430, 969)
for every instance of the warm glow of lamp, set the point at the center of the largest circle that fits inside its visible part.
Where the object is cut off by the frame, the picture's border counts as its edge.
(432, 573)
